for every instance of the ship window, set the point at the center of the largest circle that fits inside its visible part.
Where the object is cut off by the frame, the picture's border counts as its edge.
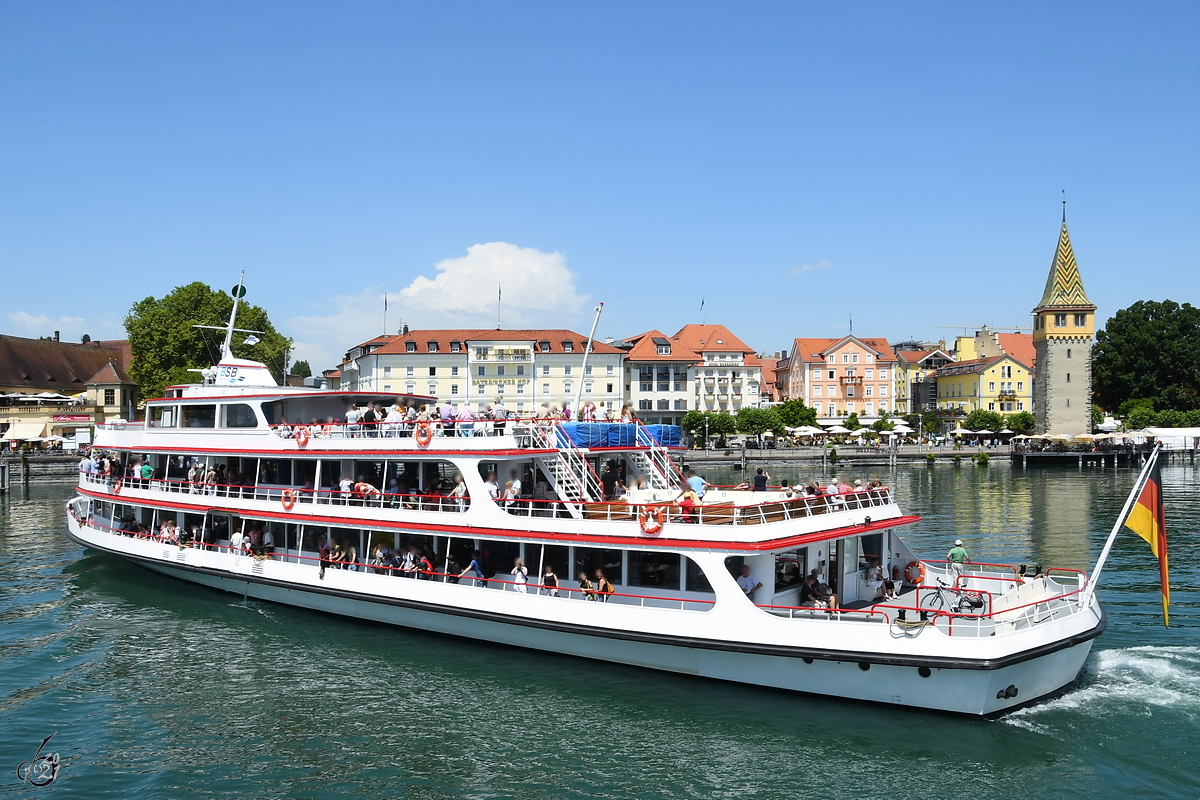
(538, 556)
(275, 472)
(200, 416)
(790, 569)
(162, 416)
(653, 569)
(240, 415)
(695, 579)
(589, 559)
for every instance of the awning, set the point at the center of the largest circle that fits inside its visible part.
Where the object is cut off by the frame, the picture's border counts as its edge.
(23, 431)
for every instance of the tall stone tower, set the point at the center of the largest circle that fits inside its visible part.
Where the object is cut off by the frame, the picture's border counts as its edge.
(1064, 324)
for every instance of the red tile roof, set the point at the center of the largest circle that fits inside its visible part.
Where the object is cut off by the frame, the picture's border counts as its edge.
(110, 373)
(711, 339)
(443, 337)
(645, 348)
(814, 350)
(1019, 346)
(974, 365)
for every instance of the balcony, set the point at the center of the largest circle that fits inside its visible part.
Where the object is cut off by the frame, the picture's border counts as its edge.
(851, 380)
(1006, 394)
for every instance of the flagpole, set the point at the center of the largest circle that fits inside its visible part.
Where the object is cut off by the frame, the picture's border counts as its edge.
(1108, 545)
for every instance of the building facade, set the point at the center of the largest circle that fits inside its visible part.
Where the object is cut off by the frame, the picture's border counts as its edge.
(54, 388)
(916, 388)
(1064, 325)
(994, 383)
(521, 368)
(728, 376)
(659, 374)
(837, 377)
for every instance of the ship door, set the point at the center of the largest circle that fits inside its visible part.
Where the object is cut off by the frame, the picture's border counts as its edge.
(847, 570)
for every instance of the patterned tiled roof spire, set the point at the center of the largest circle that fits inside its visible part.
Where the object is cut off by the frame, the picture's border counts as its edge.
(1064, 287)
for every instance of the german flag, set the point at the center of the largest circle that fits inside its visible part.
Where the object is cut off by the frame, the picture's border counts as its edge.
(1149, 521)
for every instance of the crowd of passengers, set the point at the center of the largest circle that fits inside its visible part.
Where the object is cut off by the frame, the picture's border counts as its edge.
(449, 419)
(836, 495)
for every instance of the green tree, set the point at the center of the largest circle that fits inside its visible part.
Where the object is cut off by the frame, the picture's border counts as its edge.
(1140, 417)
(883, 423)
(1097, 415)
(980, 420)
(693, 422)
(793, 413)
(1020, 422)
(1170, 419)
(851, 422)
(721, 424)
(757, 421)
(165, 345)
(1149, 350)
(302, 369)
(931, 422)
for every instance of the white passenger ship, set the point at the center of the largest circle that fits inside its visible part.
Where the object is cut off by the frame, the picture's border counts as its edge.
(676, 605)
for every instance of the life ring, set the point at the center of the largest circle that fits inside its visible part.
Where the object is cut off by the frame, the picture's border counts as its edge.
(116, 487)
(288, 500)
(651, 519)
(302, 436)
(908, 573)
(424, 433)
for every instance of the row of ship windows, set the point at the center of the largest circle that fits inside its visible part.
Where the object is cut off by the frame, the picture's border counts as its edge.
(499, 387)
(499, 370)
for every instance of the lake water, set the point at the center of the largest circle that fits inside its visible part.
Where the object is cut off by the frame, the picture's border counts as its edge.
(158, 688)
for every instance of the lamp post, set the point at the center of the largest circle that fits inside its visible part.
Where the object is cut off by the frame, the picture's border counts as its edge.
(706, 432)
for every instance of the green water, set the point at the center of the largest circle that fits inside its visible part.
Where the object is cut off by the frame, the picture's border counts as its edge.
(158, 688)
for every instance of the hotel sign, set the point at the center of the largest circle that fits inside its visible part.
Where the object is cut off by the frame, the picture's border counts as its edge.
(72, 417)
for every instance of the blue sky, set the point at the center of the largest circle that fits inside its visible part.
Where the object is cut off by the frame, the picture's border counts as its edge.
(792, 163)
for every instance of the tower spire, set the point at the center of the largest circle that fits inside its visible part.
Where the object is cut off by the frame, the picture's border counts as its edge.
(1064, 286)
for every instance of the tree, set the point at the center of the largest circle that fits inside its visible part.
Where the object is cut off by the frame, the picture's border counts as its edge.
(693, 422)
(1097, 416)
(883, 423)
(851, 422)
(165, 345)
(1021, 422)
(931, 422)
(793, 413)
(1140, 417)
(980, 420)
(757, 421)
(721, 424)
(85, 339)
(302, 369)
(1149, 350)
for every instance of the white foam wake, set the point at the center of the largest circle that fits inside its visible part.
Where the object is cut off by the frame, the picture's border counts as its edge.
(1129, 679)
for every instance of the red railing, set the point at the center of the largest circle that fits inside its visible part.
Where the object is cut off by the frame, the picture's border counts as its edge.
(460, 578)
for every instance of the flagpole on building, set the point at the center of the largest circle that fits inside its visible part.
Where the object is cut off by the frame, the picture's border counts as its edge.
(385, 329)
(1112, 537)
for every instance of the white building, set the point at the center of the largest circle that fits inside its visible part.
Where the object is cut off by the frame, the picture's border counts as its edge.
(524, 368)
(702, 367)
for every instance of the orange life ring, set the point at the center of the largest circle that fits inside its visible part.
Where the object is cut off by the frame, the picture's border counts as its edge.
(908, 572)
(302, 436)
(116, 487)
(288, 500)
(651, 518)
(423, 434)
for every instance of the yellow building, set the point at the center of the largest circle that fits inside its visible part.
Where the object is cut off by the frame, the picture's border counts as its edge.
(993, 383)
(914, 382)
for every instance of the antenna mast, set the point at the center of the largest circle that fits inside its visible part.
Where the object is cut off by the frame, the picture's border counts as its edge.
(238, 293)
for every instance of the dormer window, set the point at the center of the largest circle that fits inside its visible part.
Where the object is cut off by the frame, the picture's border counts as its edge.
(664, 349)
(456, 347)
(544, 346)
(410, 347)
(568, 347)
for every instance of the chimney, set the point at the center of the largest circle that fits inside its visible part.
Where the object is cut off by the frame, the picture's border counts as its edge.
(56, 336)
(404, 331)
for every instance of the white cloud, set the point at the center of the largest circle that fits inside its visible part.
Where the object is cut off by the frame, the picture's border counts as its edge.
(465, 288)
(28, 325)
(803, 268)
(538, 289)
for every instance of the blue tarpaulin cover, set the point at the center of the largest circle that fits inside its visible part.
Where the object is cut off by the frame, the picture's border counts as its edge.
(667, 435)
(620, 435)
